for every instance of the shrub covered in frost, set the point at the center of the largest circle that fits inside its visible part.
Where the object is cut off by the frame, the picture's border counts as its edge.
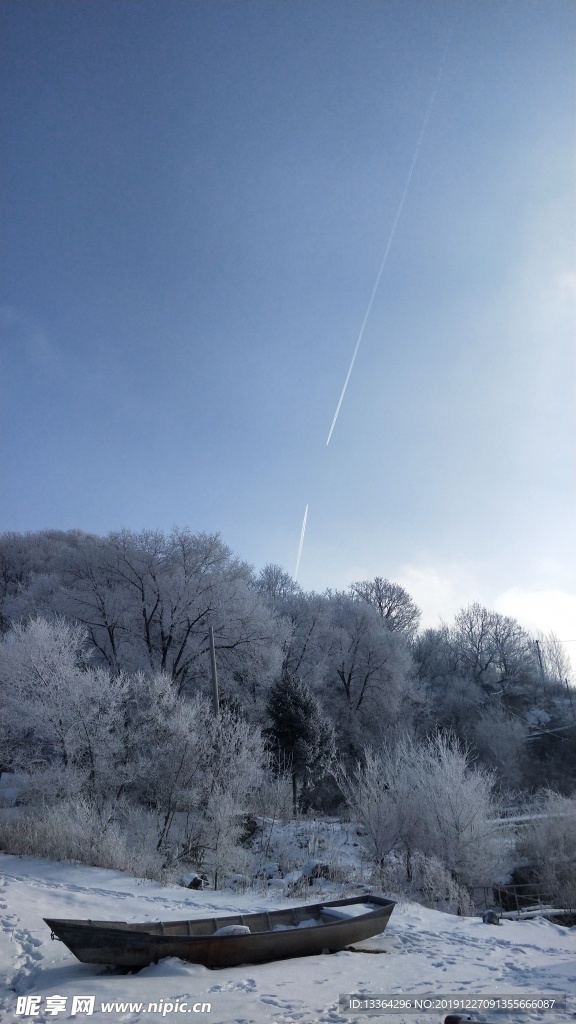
(73, 830)
(548, 844)
(427, 799)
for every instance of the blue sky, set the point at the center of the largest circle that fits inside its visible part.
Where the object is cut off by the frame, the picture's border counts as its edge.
(197, 198)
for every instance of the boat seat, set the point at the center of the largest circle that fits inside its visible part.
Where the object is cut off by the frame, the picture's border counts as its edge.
(345, 913)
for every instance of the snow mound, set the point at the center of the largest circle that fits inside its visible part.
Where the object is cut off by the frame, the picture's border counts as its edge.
(232, 929)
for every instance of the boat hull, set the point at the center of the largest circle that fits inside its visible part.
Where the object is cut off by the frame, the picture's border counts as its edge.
(278, 935)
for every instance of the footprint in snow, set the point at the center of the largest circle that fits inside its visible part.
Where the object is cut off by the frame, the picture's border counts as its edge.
(247, 985)
(271, 997)
(28, 943)
(27, 959)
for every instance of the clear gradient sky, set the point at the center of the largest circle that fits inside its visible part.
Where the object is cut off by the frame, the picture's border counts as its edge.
(197, 198)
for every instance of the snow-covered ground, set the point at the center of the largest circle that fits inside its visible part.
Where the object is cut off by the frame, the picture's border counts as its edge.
(422, 951)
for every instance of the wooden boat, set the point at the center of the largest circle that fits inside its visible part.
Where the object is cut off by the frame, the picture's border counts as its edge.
(277, 935)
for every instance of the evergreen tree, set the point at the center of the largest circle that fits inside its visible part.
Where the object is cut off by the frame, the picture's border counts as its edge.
(299, 733)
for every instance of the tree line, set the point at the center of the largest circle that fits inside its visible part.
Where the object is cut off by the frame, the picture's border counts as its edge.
(106, 666)
(145, 602)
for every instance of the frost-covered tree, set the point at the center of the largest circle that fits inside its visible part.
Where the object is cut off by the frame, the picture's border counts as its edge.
(435, 657)
(483, 681)
(236, 764)
(274, 583)
(555, 664)
(369, 685)
(191, 763)
(61, 715)
(30, 578)
(115, 744)
(309, 637)
(300, 737)
(380, 794)
(393, 604)
(495, 651)
(147, 600)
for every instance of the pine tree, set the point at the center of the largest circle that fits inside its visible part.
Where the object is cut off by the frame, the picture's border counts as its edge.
(299, 733)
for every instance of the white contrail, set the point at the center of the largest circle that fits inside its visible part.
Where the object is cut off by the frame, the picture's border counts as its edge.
(393, 230)
(301, 544)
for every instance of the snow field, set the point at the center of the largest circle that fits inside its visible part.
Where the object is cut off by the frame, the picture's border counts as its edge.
(422, 951)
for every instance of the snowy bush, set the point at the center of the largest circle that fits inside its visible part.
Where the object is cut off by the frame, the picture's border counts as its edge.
(427, 799)
(222, 854)
(548, 843)
(457, 803)
(390, 876)
(273, 843)
(74, 831)
(273, 797)
(434, 886)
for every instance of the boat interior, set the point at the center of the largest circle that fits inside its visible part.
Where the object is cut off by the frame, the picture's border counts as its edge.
(278, 920)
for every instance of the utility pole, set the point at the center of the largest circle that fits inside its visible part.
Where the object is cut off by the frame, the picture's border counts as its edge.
(569, 691)
(215, 700)
(537, 642)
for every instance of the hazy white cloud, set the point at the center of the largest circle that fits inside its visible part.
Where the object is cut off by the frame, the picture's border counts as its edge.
(548, 610)
(439, 591)
(551, 611)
